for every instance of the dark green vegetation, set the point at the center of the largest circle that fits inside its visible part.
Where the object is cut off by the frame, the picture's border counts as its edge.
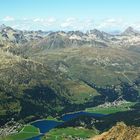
(50, 118)
(68, 133)
(28, 131)
(24, 85)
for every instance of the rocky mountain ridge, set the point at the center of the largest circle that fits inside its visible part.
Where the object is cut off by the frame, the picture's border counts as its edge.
(62, 39)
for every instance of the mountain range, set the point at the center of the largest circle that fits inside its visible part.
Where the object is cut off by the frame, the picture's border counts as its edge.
(60, 39)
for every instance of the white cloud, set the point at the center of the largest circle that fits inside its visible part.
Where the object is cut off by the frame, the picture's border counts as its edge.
(38, 20)
(66, 24)
(111, 23)
(45, 21)
(25, 19)
(88, 24)
(51, 20)
(77, 24)
(136, 25)
(70, 19)
(8, 18)
(69, 23)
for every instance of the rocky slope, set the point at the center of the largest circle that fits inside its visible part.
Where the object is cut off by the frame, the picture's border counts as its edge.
(120, 132)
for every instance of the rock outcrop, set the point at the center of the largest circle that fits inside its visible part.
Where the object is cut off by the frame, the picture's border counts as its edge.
(120, 132)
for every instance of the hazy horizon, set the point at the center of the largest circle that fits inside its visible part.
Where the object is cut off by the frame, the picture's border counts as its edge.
(105, 15)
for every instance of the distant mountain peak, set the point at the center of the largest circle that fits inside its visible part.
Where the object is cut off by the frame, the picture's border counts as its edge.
(99, 34)
(95, 31)
(3, 27)
(131, 31)
(78, 33)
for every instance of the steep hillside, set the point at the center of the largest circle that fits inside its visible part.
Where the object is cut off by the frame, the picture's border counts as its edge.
(24, 86)
(111, 71)
(30, 89)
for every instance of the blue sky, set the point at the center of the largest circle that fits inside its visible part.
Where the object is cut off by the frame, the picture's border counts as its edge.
(70, 14)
